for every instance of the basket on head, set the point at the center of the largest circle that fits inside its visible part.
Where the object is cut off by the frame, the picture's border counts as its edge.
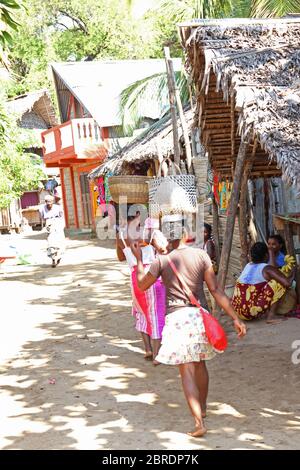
(134, 188)
(172, 194)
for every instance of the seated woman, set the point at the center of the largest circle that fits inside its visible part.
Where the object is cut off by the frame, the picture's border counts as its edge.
(277, 245)
(260, 287)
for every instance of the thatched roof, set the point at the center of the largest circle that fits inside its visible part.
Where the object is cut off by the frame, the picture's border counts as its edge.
(35, 110)
(157, 139)
(247, 74)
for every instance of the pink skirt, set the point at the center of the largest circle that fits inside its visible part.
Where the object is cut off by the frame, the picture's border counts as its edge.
(149, 307)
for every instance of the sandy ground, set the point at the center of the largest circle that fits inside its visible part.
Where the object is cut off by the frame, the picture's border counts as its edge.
(73, 374)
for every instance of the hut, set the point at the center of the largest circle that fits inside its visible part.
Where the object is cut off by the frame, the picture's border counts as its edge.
(143, 155)
(146, 155)
(246, 74)
(35, 112)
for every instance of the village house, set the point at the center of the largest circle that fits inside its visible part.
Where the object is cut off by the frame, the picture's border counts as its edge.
(88, 95)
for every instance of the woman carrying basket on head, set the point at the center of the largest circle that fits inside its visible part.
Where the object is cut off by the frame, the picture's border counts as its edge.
(148, 307)
(184, 341)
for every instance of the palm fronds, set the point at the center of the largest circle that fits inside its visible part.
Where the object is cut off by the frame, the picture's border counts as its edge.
(196, 9)
(274, 8)
(146, 95)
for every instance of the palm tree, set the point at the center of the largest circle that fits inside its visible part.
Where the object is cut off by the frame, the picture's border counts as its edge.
(181, 10)
(273, 8)
(155, 86)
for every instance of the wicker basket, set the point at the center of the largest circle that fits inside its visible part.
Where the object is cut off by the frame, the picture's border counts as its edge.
(172, 194)
(134, 188)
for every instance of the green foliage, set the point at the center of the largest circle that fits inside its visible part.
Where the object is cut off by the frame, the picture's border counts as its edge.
(274, 8)
(19, 171)
(7, 20)
(153, 88)
(70, 31)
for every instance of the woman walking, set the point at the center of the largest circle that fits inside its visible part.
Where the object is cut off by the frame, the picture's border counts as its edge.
(149, 306)
(52, 215)
(184, 341)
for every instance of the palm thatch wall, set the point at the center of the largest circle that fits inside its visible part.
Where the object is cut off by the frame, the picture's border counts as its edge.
(247, 77)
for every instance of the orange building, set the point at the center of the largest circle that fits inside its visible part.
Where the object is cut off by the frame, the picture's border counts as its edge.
(88, 95)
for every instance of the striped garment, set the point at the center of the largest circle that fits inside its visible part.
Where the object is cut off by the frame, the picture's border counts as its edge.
(149, 307)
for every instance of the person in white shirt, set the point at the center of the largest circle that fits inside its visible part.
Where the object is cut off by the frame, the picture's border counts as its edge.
(52, 215)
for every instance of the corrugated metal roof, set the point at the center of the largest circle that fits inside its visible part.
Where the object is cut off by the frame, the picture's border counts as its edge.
(98, 84)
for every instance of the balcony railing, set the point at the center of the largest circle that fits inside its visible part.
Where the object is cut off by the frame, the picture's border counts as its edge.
(77, 139)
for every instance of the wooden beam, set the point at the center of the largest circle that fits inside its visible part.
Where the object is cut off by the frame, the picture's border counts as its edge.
(232, 211)
(172, 99)
(243, 208)
(74, 197)
(216, 231)
(243, 222)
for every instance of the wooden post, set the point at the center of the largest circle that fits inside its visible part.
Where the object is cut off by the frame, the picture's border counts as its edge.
(232, 211)
(172, 98)
(185, 130)
(246, 210)
(243, 223)
(216, 232)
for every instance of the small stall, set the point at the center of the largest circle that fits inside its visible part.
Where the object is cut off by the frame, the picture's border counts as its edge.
(32, 216)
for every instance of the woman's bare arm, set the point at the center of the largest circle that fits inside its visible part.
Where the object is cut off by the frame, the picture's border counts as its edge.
(144, 281)
(270, 272)
(210, 248)
(223, 301)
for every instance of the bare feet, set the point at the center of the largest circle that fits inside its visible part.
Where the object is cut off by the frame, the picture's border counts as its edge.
(198, 432)
(203, 411)
(156, 363)
(148, 356)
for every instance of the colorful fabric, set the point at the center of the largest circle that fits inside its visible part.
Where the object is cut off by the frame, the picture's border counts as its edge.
(106, 187)
(184, 339)
(253, 300)
(222, 192)
(101, 191)
(280, 259)
(151, 304)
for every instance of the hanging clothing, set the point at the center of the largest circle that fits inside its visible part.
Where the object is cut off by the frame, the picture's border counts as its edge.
(106, 186)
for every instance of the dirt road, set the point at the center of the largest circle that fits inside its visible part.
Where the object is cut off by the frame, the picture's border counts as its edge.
(73, 374)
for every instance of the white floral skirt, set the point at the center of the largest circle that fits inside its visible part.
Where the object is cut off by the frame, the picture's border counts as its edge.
(184, 339)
